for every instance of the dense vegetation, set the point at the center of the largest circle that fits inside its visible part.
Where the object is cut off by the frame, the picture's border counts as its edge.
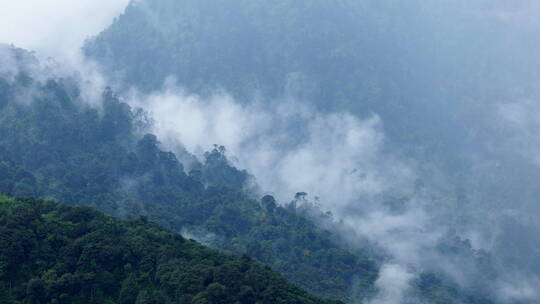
(56, 146)
(52, 253)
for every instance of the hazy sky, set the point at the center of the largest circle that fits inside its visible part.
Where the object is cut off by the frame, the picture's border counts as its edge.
(55, 27)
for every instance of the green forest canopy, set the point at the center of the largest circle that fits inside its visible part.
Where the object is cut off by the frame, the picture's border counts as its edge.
(52, 253)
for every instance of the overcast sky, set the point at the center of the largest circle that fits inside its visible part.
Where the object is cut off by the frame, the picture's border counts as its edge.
(55, 27)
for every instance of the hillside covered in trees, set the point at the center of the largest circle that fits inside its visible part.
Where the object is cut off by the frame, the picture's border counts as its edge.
(52, 253)
(56, 145)
(401, 60)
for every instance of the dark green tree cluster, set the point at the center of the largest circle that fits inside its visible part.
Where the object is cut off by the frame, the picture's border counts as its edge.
(53, 253)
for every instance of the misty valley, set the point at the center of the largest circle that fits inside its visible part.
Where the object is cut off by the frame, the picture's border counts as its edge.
(240, 151)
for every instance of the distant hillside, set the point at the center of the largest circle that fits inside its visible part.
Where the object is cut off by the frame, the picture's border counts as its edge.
(406, 61)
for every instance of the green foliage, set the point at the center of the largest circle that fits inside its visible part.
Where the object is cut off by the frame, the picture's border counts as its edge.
(56, 254)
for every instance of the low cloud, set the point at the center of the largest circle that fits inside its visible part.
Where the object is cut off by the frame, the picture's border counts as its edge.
(520, 289)
(55, 28)
(340, 160)
(393, 283)
(288, 146)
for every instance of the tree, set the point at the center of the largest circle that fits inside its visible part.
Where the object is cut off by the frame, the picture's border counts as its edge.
(269, 203)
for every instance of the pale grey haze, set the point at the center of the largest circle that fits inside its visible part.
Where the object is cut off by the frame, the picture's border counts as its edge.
(55, 28)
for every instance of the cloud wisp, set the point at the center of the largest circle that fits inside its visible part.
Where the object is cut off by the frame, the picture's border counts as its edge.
(340, 160)
(56, 28)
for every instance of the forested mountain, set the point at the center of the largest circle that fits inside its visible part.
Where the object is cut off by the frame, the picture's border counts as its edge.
(405, 61)
(55, 145)
(52, 253)
(454, 83)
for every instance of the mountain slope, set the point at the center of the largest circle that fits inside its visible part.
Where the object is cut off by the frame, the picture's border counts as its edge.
(56, 254)
(402, 61)
(55, 145)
